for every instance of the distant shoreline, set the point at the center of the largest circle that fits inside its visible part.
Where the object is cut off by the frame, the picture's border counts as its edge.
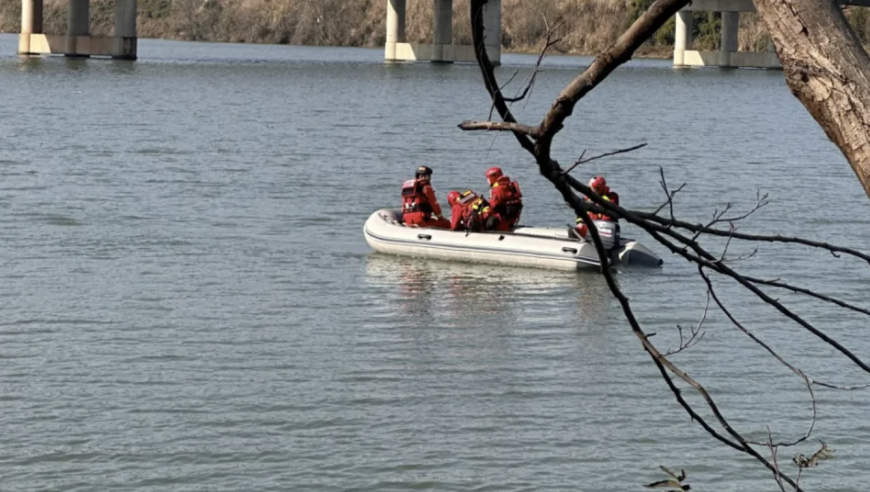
(644, 53)
(587, 31)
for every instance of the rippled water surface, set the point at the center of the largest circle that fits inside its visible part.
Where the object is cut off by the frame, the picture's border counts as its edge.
(188, 302)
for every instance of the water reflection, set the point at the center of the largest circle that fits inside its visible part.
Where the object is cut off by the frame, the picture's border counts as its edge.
(123, 66)
(76, 63)
(436, 292)
(30, 63)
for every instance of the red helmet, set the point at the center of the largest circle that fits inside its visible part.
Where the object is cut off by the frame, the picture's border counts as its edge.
(597, 184)
(452, 197)
(493, 173)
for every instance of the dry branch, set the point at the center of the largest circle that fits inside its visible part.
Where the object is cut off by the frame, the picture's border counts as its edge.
(607, 154)
(499, 126)
(679, 237)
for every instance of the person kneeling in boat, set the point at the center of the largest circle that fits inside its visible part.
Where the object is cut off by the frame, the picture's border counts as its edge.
(419, 205)
(470, 212)
(505, 198)
(599, 186)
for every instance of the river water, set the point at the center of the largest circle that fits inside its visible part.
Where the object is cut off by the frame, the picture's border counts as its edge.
(188, 302)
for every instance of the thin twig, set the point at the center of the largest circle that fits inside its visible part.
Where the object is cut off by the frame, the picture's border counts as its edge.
(694, 330)
(669, 195)
(783, 285)
(766, 347)
(773, 450)
(608, 154)
(500, 89)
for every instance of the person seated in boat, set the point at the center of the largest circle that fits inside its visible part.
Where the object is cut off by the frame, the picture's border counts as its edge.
(470, 212)
(505, 198)
(419, 205)
(599, 186)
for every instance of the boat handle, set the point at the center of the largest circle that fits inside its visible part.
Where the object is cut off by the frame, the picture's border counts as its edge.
(424, 236)
(569, 250)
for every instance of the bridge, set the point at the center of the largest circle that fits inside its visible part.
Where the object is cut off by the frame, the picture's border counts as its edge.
(442, 50)
(728, 55)
(79, 42)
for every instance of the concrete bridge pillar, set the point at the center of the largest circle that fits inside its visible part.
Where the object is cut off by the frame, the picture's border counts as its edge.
(125, 30)
(395, 28)
(443, 31)
(728, 36)
(78, 40)
(492, 30)
(31, 23)
(442, 49)
(78, 24)
(682, 37)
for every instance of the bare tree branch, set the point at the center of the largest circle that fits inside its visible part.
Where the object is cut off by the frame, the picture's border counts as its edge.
(620, 52)
(500, 89)
(663, 363)
(694, 330)
(499, 126)
(669, 195)
(647, 221)
(680, 237)
(773, 449)
(549, 43)
(809, 382)
(754, 237)
(783, 285)
(488, 71)
(620, 151)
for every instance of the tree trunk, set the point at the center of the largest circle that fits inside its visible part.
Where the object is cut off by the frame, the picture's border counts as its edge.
(827, 69)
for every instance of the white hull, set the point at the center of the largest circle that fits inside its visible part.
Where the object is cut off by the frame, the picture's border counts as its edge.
(540, 247)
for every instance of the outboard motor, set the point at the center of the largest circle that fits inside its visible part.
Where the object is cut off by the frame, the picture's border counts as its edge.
(609, 232)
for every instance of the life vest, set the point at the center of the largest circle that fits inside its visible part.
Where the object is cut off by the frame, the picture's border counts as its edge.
(475, 210)
(607, 196)
(507, 199)
(414, 198)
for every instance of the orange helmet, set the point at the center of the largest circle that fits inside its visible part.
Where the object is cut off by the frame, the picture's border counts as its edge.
(452, 197)
(598, 184)
(493, 173)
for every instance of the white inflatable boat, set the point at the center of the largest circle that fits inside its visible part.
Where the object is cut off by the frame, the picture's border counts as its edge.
(543, 247)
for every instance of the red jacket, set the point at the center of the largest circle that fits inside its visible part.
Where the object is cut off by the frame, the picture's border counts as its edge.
(506, 200)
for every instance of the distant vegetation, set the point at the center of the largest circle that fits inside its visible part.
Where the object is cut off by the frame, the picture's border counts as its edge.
(590, 25)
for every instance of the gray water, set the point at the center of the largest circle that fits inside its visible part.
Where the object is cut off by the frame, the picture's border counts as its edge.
(188, 302)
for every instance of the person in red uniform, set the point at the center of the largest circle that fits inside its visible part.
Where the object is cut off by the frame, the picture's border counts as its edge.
(505, 198)
(419, 205)
(599, 186)
(470, 212)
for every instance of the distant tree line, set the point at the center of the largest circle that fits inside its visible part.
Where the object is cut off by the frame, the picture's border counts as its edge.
(589, 25)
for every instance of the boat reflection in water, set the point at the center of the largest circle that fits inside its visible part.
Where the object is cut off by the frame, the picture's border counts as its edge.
(454, 294)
